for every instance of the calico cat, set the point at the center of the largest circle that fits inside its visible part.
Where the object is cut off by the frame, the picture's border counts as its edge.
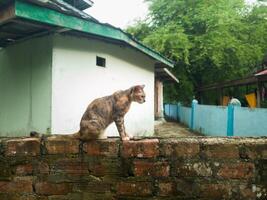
(103, 111)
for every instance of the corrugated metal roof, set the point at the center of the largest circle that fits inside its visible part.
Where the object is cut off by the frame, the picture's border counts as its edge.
(62, 7)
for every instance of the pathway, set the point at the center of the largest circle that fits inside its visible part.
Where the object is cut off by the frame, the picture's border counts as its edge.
(172, 129)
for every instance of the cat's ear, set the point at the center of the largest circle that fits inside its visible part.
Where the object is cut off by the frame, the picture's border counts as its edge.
(137, 88)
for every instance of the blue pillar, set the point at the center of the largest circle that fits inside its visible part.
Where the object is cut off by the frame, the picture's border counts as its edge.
(230, 120)
(194, 103)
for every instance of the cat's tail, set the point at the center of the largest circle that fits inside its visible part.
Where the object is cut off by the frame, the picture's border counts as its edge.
(70, 136)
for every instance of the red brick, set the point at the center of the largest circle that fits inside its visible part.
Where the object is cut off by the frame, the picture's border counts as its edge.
(264, 153)
(23, 147)
(93, 186)
(180, 148)
(237, 170)
(19, 196)
(70, 166)
(156, 169)
(74, 168)
(255, 150)
(46, 188)
(186, 149)
(141, 189)
(5, 169)
(148, 148)
(59, 145)
(166, 189)
(42, 168)
(105, 166)
(246, 192)
(26, 169)
(215, 191)
(166, 149)
(188, 169)
(108, 148)
(97, 169)
(221, 151)
(185, 187)
(57, 197)
(19, 186)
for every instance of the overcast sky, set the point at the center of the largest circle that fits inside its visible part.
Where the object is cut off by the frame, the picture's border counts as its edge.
(120, 13)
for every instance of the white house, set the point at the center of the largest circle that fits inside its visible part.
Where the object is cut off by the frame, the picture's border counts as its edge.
(55, 59)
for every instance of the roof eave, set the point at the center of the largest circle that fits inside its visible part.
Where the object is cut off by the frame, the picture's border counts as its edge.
(261, 73)
(48, 16)
(165, 75)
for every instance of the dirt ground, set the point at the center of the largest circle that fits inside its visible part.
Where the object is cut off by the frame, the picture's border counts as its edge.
(172, 129)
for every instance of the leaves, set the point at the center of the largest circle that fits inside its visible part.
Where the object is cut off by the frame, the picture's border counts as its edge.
(210, 40)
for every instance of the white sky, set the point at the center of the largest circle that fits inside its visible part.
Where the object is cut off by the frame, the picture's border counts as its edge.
(119, 13)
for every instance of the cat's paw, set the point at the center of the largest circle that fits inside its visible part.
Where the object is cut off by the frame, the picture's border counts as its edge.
(126, 138)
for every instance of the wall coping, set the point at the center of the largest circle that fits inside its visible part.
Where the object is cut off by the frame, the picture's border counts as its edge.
(29, 146)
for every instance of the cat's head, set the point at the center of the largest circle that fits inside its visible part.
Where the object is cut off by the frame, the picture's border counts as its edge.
(138, 94)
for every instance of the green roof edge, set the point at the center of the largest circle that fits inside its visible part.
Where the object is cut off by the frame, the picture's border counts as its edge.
(45, 15)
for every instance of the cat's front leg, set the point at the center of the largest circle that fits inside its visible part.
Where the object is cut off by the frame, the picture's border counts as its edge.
(119, 121)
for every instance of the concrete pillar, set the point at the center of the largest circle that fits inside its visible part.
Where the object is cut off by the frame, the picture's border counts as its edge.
(158, 99)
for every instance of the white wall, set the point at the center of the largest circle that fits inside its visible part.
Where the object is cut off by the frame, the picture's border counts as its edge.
(76, 81)
(25, 87)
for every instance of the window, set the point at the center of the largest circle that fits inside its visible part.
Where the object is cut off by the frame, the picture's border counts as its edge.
(100, 61)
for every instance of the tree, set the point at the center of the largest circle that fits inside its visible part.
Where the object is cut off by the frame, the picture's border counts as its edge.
(210, 40)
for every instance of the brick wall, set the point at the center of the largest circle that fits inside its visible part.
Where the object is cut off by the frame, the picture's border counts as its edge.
(164, 169)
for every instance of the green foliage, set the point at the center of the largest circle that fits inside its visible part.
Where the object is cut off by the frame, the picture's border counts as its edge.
(170, 40)
(210, 40)
(140, 30)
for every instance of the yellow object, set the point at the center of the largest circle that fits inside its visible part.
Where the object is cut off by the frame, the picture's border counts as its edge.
(226, 100)
(251, 99)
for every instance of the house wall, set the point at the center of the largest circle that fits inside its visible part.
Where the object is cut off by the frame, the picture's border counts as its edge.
(77, 81)
(25, 87)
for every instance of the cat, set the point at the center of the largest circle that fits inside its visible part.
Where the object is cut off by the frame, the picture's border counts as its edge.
(103, 111)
